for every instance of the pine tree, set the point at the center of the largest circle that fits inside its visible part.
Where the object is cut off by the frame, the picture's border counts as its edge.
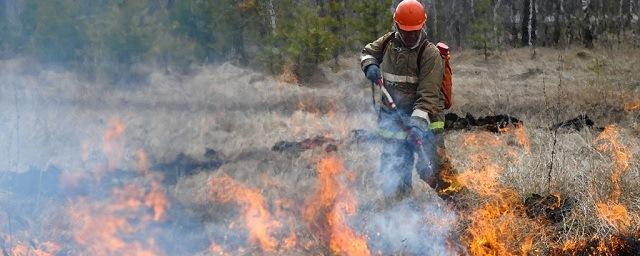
(55, 33)
(336, 25)
(482, 28)
(119, 37)
(374, 18)
(307, 40)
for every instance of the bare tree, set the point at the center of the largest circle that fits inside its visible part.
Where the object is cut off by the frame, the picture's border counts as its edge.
(495, 21)
(272, 16)
(587, 26)
(528, 23)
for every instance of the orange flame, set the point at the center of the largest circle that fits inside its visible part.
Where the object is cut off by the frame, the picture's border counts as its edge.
(20, 249)
(615, 215)
(609, 245)
(571, 245)
(112, 145)
(104, 227)
(493, 229)
(483, 182)
(497, 226)
(482, 139)
(257, 219)
(99, 227)
(333, 195)
(157, 201)
(44, 249)
(609, 141)
(216, 250)
(526, 246)
(521, 137)
(612, 212)
(156, 198)
(632, 106)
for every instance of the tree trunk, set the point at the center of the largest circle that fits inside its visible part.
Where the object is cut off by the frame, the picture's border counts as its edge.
(635, 18)
(529, 25)
(435, 34)
(621, 22)
(238, 39)
(495, 22)
(558, 23)
(453, 24)
(532, 29)
(272, 16)
(513, 24)
(587, 27)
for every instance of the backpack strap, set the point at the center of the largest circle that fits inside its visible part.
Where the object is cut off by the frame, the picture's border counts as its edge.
(420, 52)
(385, 43)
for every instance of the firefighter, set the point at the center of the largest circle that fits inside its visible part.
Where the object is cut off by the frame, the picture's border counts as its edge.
(415, 88)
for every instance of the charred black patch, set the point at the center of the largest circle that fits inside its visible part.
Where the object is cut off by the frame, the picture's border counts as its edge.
(297, 147)
(490, 123)
(550, 207)
(575, 124)
(184, 165)
(497, 123)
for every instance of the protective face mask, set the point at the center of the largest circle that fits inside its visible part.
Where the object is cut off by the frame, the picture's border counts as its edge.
(404, 41)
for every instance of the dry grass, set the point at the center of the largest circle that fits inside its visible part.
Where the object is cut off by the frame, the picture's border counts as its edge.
(48, 117)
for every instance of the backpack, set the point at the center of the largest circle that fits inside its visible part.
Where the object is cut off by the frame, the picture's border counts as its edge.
(447, 80)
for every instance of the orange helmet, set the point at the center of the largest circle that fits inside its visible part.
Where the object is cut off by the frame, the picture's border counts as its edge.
(410, 15)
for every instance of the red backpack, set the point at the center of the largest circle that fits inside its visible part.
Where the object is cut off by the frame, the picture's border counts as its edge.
(447, 80)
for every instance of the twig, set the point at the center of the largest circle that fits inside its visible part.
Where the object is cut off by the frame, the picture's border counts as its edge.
(553, 155)
(555, 132)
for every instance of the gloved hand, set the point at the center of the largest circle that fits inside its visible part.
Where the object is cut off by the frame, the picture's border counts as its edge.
(416, 136)
(373, 73)
(419, 133)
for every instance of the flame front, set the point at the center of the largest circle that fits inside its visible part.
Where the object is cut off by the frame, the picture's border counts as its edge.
(111, 227)
(257, 218)
(609, 142)
(496, 225)
(44, 249)
(118, 223)
(334, 197)
(632, 106)
(611, 211)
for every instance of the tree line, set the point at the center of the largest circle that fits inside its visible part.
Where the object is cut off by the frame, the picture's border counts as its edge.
(109, 38)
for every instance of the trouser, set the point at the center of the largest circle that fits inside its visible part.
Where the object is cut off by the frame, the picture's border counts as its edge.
(399, 157)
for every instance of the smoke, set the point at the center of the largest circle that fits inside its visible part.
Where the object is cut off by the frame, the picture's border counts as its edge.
(78, 164)
(413, 227)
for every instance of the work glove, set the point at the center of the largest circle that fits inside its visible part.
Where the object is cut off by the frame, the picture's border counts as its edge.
(373, 73)
(419, 132)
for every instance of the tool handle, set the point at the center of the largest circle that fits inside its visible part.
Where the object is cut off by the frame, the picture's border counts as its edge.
(386, 94)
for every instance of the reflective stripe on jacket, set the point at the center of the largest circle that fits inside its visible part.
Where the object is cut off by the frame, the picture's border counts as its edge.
(410, 88)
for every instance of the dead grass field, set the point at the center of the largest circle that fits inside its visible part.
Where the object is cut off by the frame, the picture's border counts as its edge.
(53, 118)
